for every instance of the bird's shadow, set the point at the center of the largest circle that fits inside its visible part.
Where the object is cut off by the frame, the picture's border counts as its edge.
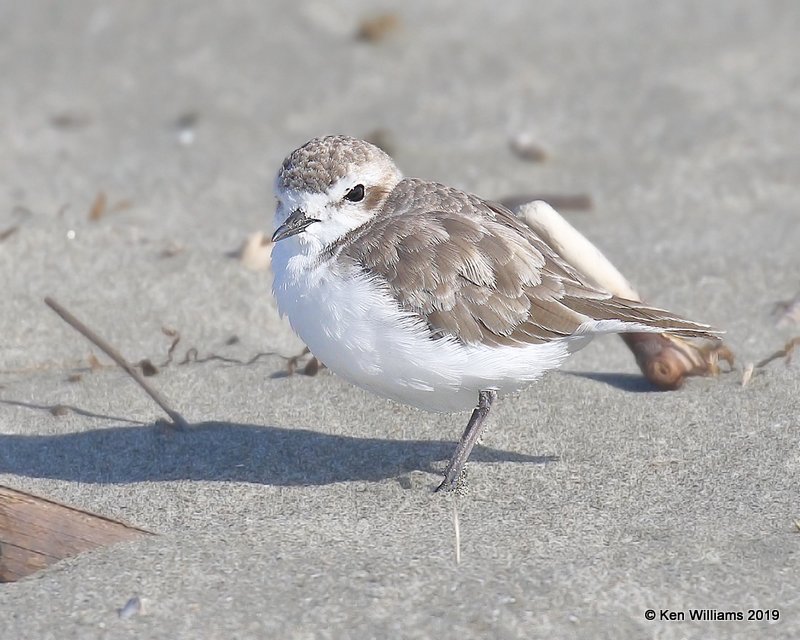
(226, 451)
(632, 382)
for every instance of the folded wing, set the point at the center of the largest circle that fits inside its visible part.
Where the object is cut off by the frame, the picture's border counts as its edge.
(476, 273)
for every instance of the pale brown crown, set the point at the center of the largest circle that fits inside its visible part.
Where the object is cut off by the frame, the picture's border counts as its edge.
(321, 162)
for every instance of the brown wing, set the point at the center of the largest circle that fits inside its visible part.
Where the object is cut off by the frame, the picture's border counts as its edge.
(475, 272)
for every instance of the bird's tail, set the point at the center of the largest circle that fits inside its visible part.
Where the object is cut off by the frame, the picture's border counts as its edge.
(619, 315)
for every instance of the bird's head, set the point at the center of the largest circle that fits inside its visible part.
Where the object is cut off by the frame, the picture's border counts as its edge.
(330, 186)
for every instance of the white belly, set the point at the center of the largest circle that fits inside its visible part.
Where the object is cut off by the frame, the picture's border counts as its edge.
(357, 329)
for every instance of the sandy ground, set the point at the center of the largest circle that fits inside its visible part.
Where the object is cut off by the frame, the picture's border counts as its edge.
(301, 507)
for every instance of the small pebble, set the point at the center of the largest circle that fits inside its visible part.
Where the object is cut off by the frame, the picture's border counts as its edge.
(525, 148)
(131, 608)
(377, 28)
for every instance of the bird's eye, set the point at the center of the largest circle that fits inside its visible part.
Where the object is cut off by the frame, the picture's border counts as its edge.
(356, 194)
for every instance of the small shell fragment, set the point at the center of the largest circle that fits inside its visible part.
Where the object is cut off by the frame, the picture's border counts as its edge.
(747, 374)
(130, 608)
(524, 147)
(99, 206)
(256, 252)
(377, 28)
(59, 410)
(311, 367)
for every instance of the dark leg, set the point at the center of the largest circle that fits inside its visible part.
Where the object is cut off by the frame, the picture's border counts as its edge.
(452, 474)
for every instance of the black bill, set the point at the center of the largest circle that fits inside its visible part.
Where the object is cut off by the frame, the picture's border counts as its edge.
(294, 224)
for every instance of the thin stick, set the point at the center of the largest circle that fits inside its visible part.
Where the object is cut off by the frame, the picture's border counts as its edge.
(786, 352)
(178, 420)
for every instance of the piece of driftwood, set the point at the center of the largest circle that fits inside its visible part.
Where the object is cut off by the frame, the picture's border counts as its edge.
(665, 360)
(36, 532)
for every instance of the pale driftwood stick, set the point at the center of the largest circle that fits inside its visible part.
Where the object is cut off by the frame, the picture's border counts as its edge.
(576, 249)
(36, 532)
(178, 420)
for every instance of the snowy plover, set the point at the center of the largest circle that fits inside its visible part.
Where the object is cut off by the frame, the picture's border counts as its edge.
(425, 294)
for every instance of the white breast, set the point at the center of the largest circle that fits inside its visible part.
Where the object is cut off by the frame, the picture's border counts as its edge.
(356, 328)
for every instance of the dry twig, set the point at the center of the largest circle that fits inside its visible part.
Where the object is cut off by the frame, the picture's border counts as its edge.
(178, 420)
(786, 352)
